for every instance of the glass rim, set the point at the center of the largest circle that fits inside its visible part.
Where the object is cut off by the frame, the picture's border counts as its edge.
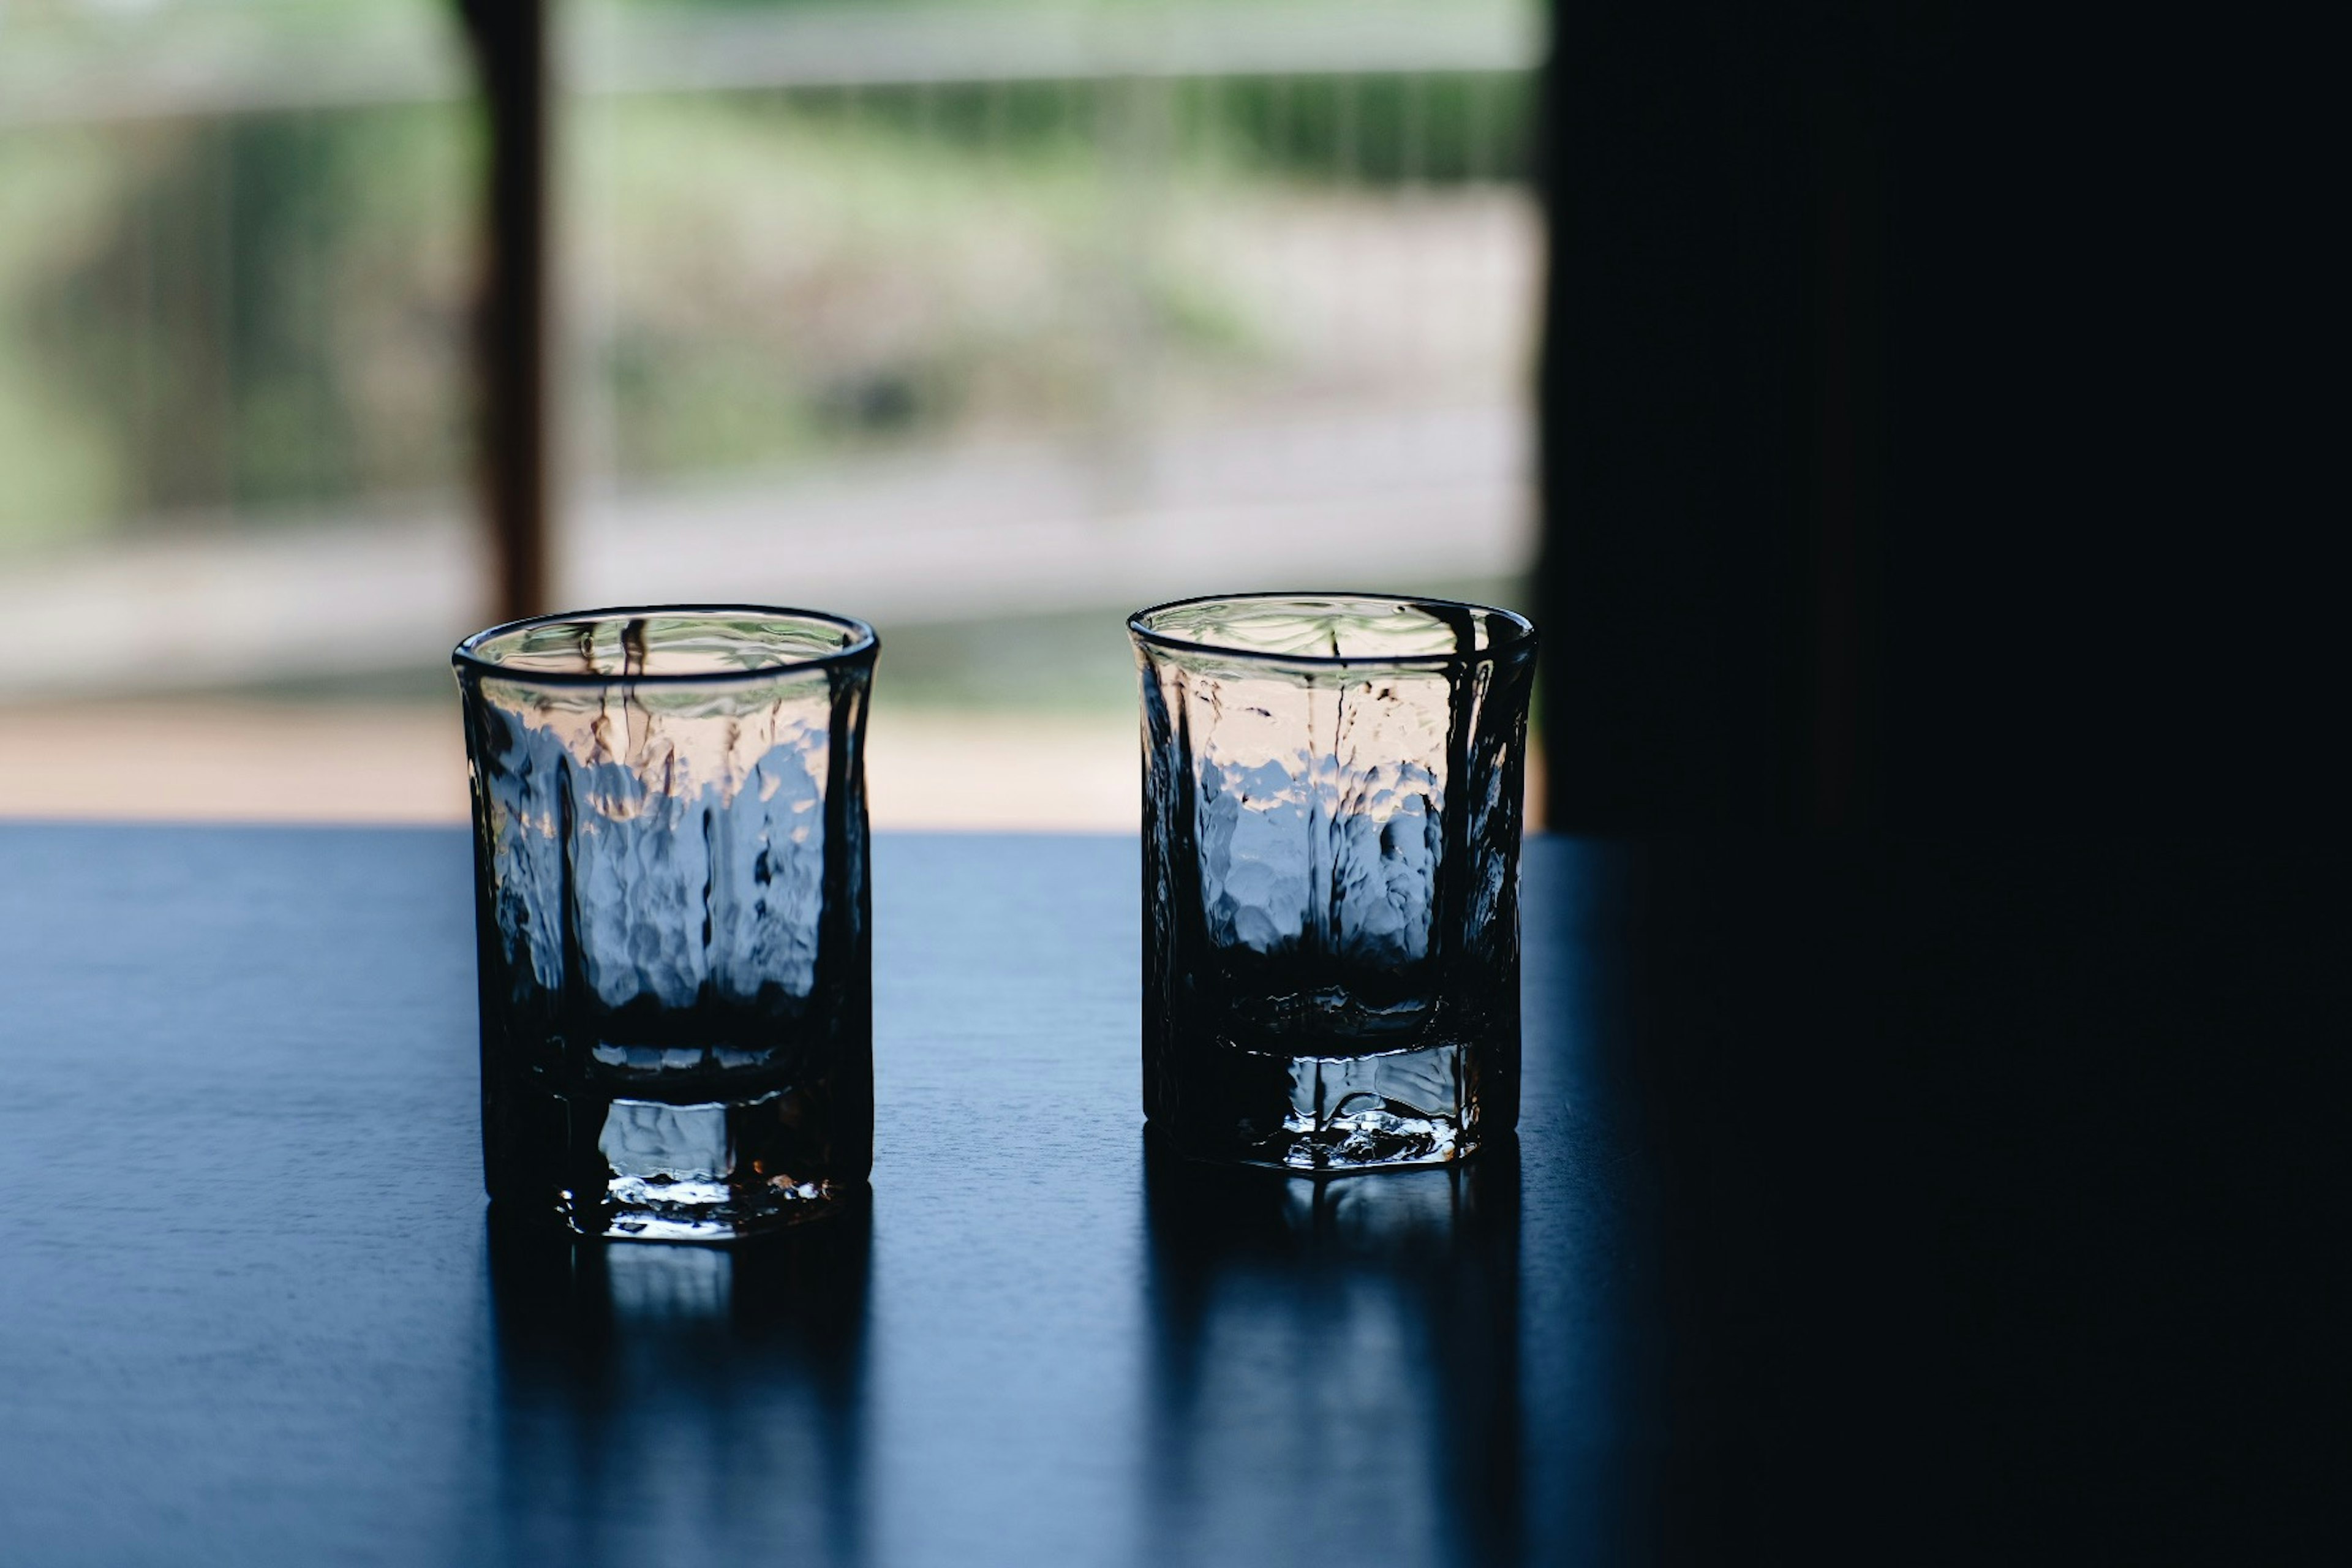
(1521, 644)
(468, 658)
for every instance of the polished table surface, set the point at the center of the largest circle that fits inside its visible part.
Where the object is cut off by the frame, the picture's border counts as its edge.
(1829, 1223)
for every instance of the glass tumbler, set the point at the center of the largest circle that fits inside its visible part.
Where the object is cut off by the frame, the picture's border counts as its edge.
(672, 916)
(1331, 798)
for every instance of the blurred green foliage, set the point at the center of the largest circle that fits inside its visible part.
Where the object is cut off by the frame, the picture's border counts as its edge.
(260, 314)
(266, 313)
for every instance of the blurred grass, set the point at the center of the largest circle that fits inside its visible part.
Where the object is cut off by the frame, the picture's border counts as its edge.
(1079, 662)
(1073, 663)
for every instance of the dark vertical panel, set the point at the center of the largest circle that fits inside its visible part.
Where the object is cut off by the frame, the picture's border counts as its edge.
(1703, 387)
(1925, 391)
(515, 334)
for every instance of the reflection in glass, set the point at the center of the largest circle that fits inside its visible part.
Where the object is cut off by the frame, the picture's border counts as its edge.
(1334, 1364)
(675, 1405)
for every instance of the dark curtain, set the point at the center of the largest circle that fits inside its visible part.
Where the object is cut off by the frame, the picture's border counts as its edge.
(515, 334)
(1922, 436)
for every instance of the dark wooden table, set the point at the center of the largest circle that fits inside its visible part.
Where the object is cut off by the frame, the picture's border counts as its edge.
(1841, 1215)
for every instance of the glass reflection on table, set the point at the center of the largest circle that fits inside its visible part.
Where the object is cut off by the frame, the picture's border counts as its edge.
(682, 1404)
(1352, 1341)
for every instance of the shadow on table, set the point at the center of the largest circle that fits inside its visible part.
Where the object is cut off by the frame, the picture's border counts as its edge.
(1334, 1363)
(674, 1404)
(1943, 1183)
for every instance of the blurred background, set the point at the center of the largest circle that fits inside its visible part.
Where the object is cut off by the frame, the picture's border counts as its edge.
(988, 321)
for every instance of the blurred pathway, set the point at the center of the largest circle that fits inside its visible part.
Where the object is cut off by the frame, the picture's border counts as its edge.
(1368, 501)
(214, 760)
(207, 760)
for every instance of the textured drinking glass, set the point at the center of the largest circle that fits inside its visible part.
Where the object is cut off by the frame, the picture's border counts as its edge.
(672, 916)
(1331, 808)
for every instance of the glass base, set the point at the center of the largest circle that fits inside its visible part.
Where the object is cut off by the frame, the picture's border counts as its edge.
(648, 1210)
(1319, 1115)
(644, 1170)
(676, 1218)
